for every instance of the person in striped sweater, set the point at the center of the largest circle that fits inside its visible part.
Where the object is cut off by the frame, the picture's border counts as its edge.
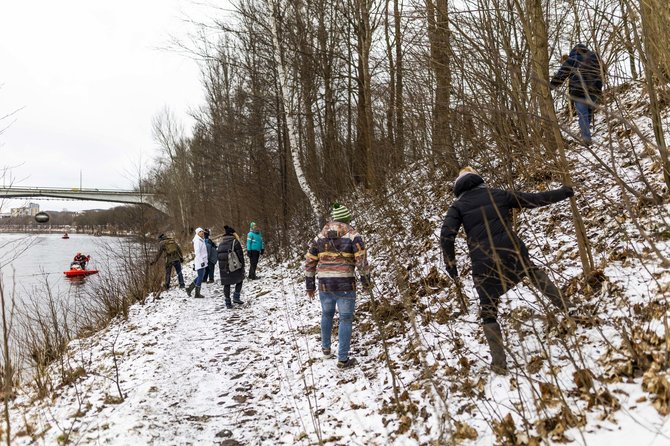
(334, 255)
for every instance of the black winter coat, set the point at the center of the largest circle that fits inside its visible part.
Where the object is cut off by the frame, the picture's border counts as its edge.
(228, 278)
(582, 67)
(486, 215)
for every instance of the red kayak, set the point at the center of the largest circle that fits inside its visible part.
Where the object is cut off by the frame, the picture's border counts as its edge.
(80, 272)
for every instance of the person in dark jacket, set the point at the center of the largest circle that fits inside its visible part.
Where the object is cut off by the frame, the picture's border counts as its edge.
(499, 258)
(173, 259)
(582, 67)
(255, 248)
(230, 242)
(212, 257)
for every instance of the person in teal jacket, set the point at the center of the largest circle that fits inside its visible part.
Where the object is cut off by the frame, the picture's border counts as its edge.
(255, 248)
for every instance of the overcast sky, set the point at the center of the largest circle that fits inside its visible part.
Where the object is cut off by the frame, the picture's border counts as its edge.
(87, 78)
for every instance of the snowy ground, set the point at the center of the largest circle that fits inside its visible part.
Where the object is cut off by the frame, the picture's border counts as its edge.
(193, 372)
(185, 371)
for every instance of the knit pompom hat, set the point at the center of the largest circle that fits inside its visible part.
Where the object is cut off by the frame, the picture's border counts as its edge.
(340, 213)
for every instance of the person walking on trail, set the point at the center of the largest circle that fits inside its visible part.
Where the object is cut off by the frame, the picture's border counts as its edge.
(200, 262)
(499, 258)
(582, 67)
(228, 245)
(333, 255)
(255, 248)
(173, 259)
(212, 257)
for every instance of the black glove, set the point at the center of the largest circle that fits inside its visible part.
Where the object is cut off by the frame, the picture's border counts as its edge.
(262, 251)
(202, 265)
(569, 191)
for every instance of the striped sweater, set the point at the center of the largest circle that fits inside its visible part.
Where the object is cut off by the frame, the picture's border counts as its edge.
(333, 255)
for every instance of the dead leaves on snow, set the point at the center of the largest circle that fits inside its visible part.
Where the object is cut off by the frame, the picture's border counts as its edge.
(656, 383)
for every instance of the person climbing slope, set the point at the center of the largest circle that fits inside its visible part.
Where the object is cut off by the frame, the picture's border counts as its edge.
(499, 258)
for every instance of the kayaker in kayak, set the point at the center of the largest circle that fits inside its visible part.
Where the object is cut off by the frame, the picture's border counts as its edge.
(81, 259)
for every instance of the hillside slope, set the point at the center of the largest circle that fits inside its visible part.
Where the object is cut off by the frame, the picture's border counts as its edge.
(191, 372)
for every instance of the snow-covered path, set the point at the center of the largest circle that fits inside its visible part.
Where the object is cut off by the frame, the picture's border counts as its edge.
(193, 372)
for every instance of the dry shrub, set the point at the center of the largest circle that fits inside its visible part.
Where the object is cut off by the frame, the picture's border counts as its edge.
(656, 383)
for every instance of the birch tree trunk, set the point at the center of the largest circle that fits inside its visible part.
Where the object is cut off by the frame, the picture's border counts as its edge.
(290, 123)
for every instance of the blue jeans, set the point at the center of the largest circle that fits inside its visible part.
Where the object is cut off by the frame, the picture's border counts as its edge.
(201, 275)
(209, 274)
(345, 302)
(168, 273)
(584, 107)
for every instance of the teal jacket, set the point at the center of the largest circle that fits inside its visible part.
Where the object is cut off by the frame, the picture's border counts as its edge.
(255, 241)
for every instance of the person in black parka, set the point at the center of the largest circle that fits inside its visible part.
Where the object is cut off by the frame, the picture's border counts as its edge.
(212, 257)
(230, 242)
(499, 258)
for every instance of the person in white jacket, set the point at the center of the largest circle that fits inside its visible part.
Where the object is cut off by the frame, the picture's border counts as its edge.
(200, 262)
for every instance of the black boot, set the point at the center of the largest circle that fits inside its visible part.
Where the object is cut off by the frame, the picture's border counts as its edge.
(236, 298)
(190, 288)
(542, 281)
(197, 293)
(495, 340)
(228, 304)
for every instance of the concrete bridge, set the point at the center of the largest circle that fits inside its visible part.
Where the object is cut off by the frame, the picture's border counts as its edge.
(109, 195)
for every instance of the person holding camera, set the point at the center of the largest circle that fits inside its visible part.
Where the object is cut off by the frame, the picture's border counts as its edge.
(173, 259)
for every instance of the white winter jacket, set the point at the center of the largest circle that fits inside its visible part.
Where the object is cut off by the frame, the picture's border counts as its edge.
(200, 250)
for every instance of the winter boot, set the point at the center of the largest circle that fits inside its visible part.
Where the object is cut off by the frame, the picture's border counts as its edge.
(197, 293)
(350, 362)
(236, 298)
(495, 340)
(190, 288)
(229, 305)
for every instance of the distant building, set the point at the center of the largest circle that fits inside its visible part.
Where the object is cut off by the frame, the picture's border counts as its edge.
(27, 211)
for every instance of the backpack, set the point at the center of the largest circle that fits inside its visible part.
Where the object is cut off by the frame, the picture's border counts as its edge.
(171, 247)
(233, 261)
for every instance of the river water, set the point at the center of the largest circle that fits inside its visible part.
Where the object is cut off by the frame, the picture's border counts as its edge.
(33, 281)
(29, 260)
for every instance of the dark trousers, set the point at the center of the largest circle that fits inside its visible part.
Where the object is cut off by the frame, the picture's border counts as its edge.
(490, 289)
(236, 293)
(168, 273)
(209, 274)
(253, 262)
